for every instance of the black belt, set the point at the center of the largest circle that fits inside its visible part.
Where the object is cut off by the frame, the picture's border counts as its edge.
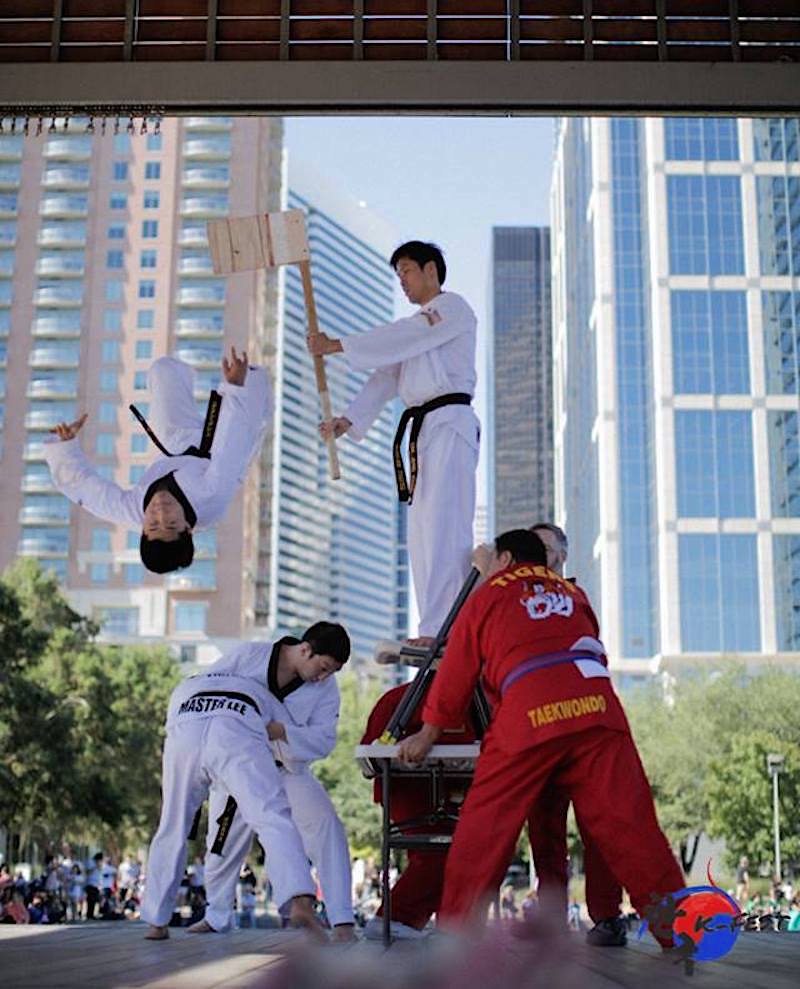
(415, 415)
(233, 695)
(206, 439)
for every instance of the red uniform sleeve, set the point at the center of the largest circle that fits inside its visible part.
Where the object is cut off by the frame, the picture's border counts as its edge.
(457, 676)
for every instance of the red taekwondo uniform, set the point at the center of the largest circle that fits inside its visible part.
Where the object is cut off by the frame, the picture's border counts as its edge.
(557, 722)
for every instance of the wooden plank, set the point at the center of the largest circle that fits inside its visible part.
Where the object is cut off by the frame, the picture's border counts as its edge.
(697, 8)
(172, 8)
(31, 8)
(553, 8)
(472, 29)
(394, 53)
(698, 30)
(183, 29)
(631, 8)
(100, 32)
(551, 51)
(770, 30)
(249, 8)
(186, 52)
(321, 30)
(25, 32)
(256, 51)
(770, 53)
(321, 52)
(472, 8)
(321, 8)
(267, 29)
(699, 53)
(626, 53)
(395, 29)
(93, 9)
(466, 52)
(625, 30)
(375, 8)
(768, 8)
(24, 53)
(92, 53)
(552, 29)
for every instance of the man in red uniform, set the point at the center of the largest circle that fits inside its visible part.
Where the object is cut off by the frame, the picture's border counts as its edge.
(532, 638)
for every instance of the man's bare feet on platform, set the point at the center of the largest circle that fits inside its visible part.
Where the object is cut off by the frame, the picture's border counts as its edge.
(201, 927)
(155, 933)
(302, 915)
(421, 642)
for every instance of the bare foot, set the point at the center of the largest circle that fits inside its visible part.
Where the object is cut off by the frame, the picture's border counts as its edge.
(155, 933)
(201, 927)
(421, 642)
(344, 934)
(302, 915)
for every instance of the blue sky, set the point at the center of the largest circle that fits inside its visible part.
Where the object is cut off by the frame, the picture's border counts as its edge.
(445, 179)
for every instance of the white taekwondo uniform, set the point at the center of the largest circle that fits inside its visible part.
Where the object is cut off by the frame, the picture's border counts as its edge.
(216, 736)
(309, 713)
(208, 484)
(420, 358)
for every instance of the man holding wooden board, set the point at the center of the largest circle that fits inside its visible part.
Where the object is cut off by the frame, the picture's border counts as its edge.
(428, 359)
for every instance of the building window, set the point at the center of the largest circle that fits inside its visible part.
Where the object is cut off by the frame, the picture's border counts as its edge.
(786, 562)
(719, 593)
(155, 142)
(148, 259)
(145, 319)
(778, 208)
(132, 540)
(101, 540)
(777, 139)
(714, 464)
(139, 443)
(149, 229)
(122, 144)
(110, 351)
(784, 454)
(705, 225)
(116, 231)
(112, 320)
(108, 413)
(152, 170)
(104, 444)
(140, 380)
(115, 259)
(144, 350)
(99, 573)
(119, 621)
(781, 317)
(119, 171)
(147, 289)
(152, 199)
(701, 139)
(709, 343)
(108, 380)
(190, 616)
(135, 474)
(118, 200)
(133, 573)
(113, 291)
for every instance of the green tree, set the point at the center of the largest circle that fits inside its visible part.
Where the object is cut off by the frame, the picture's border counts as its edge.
(339, 773)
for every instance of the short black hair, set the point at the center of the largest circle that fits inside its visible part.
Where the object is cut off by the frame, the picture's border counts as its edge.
(422, 253)
(328, 639)
(523, 545)
(159, 556)
(558, 532)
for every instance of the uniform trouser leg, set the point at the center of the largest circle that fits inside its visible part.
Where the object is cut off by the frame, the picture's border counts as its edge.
(603, 892)
(418, 892)
(183, 788)
(547, 828)
(440, 524)
(174, 414)
(242, 763)
(325, 842)
(608, 786)
(222, 868)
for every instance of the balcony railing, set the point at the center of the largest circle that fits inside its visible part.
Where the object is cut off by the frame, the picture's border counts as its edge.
(199, 357)
(207, 150)
(39, 482)
(64, 267)
(52, 389)
(208, 123)
(40, 546)
(46, 326)
(201, 296)
(8, 235)
(66, 178)
(62, 236)
(50, 357)
(44, 420)
(11, 148)
(69, 148)
(195, 266)
(41, 515)
(7, 263)
(64, 295)
(190, 582)
(198, 328)
(197, 237)
(64, 206)
(206, 178)
(8, 207)
(10, 177)
(205, 206)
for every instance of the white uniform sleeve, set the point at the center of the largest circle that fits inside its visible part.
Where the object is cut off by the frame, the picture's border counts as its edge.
(249, 659)
(316, 738)
(437, 323)
(380, 388)
(235, 437)
(76, 477)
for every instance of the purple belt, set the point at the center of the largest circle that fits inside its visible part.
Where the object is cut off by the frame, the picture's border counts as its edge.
(540, 662)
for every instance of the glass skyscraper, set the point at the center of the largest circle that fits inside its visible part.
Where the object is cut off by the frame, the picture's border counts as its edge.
(676, 251)
(521, 341)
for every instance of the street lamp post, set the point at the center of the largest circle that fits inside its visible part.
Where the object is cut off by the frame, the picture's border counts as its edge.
(774, 767)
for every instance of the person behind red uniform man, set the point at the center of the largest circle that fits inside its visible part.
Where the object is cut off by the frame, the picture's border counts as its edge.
(531, 637)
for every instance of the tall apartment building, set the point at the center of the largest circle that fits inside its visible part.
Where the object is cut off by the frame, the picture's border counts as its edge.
(105, 236)
(521, 342)
(676, 259)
